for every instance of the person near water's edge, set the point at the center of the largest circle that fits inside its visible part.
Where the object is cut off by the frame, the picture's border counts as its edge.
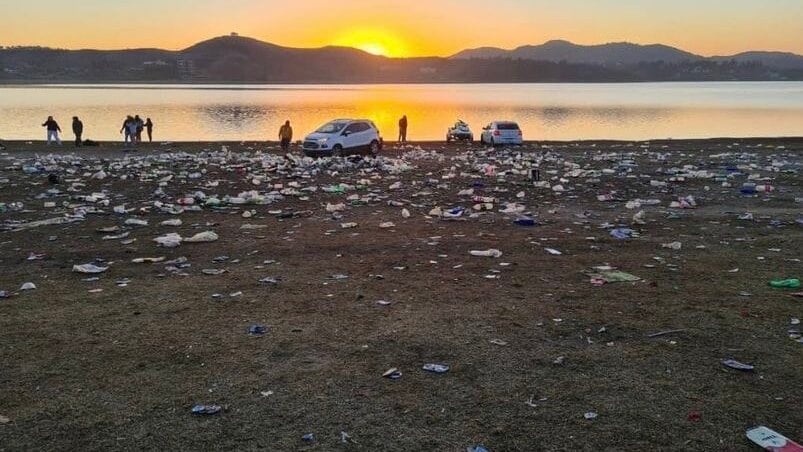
(149, 129)
(403, 129)
(126, 130)
(53, 130)
(140, 126)
(133, 125)
(286, 136)
(78, 130)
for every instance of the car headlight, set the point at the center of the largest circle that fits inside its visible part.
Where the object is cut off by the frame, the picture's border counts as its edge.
(323, 140)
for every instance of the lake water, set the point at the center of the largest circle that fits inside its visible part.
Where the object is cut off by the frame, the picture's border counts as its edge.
(545, 111)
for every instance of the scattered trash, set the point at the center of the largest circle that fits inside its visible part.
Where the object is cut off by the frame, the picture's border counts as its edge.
(203, 237)
(257, 330)
(785, 284)
(309, 438)
(733, 364)
(171, 240)
(206, 410)
(148, 260)
(477, 448)
(28, 286)
(525, 221)
(487, 253)
(90, 269)
(590, 416)
(664, 333)
(623, 233)
(436, 368)
(392, 373)
(606, 275)
(772, 441)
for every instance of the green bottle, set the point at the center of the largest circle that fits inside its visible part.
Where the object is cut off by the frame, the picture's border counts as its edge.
(786, 284)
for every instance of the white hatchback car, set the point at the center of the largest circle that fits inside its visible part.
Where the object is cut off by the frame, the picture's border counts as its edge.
(342, 137)
(501, 132)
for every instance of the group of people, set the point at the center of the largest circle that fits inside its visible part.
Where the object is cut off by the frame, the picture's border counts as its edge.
(53, 130)
(133, 126)
(132, 129)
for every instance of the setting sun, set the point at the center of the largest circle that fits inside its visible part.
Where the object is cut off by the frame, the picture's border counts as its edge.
(373, 48)
(373, 41)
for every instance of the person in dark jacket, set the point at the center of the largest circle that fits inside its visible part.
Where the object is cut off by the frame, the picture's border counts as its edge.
(403, 129)
(78, 130)
(126, 129)
(149, 129)
(53, 130)
(286, 136)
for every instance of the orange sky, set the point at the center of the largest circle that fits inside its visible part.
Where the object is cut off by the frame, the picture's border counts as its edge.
(412, 28)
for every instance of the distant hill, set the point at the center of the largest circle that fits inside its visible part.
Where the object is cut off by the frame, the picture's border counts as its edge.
(235, 59)
(780, 60)
(616, 53)
(623, 53)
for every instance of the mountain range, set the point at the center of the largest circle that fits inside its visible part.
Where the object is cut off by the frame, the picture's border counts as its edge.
(236, 59)
(624, 53)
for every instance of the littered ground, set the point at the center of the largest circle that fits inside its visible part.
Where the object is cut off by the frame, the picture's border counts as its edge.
(121, 368)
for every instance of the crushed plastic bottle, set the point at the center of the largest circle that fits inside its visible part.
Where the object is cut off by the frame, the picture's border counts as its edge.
(793, 283)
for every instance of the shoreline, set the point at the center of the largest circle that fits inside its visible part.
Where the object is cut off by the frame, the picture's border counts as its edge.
(66, 139)
(67, 143)
(28, 148)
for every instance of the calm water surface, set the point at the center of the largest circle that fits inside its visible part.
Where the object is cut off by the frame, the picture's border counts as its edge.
(545, 111)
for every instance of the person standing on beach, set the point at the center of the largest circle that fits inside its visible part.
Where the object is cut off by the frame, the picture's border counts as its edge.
(78, 130)
(403, 129)
(126, 130)
(133, 127)
(149, 129)
(53, 130)
(286, 136)
(140, 126)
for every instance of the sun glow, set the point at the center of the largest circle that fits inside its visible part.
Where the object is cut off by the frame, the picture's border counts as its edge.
(373, 48)
(374, 41)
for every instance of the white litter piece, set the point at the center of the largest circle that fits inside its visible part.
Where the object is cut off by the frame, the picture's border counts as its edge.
(89, 269)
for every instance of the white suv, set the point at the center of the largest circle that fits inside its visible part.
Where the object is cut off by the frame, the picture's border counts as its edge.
(501, 132)
(342, 137)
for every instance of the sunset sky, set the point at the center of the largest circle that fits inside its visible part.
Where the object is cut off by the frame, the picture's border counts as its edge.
(411, 28)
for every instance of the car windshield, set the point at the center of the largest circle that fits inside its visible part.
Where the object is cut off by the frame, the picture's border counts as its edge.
(332, 127)
(507, 126)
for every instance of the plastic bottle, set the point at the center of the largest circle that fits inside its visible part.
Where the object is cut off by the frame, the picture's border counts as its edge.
(785, 283)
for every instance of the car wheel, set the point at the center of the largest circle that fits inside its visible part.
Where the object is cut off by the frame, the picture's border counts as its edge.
(337, 151)
(482, 139)
(374, 148)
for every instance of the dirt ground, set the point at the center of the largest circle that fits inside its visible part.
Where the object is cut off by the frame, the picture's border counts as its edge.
(532, 344)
